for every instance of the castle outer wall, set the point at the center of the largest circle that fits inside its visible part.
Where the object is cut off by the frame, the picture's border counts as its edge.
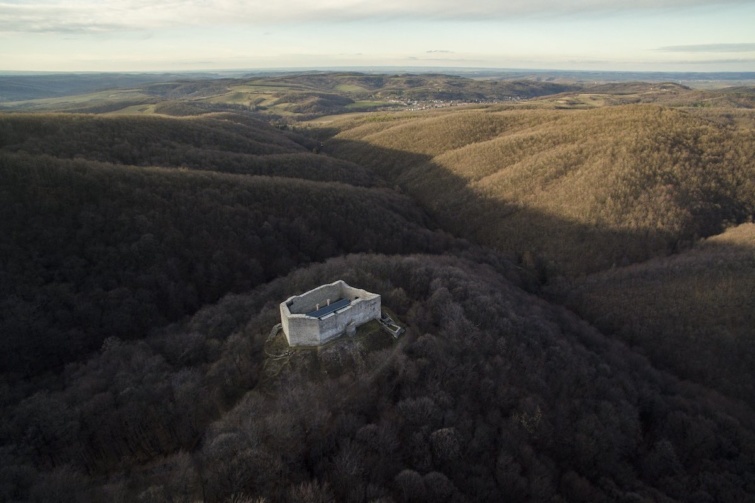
(302, 329)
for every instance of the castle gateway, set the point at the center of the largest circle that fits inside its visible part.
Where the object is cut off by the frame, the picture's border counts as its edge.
(322, 314)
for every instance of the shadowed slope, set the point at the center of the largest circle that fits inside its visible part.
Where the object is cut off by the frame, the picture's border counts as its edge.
(228, 143)
(579, 192)
(92, 250)
(658, 175)
(491, 395)
(693, 313)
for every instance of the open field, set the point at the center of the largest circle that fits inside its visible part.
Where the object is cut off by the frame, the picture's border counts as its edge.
(272, 95)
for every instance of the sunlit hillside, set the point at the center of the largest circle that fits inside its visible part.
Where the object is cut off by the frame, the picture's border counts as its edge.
(289, 97)
(581, 190)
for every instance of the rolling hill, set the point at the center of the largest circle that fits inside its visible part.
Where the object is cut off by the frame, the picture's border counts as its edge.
(294, 96)
(491, 394)
(229, 143)
(580, 190)
(574, 273)
(693, 313)
(100, 239)
(22, 87)
(584, 198)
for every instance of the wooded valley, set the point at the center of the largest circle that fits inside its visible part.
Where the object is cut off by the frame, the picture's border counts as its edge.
(574, 267)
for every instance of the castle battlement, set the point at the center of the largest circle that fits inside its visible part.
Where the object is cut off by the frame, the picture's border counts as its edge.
(326, 312)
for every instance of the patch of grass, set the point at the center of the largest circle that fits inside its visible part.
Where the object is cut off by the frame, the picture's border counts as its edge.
(105, 100)
(135, 110)
(278, 344)
(371, 337)
(340, 355)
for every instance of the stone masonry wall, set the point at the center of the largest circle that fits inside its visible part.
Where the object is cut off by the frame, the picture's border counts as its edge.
(303, 330)
(358, 312)
(320, 295)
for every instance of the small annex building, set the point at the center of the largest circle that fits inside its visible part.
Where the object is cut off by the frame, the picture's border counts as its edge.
(320, 315)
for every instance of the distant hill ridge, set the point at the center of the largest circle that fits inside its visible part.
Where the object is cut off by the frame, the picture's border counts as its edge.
(218, 142)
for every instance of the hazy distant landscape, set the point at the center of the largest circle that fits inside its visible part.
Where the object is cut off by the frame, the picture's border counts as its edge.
(572, 255)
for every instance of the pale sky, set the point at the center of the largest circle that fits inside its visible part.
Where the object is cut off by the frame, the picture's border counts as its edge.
(173, 35)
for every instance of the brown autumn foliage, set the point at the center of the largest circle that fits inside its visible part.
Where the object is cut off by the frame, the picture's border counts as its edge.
(693, 313)
(574, 192)
(97, 249)
(492, 394)
(581, 189)
(229, 143)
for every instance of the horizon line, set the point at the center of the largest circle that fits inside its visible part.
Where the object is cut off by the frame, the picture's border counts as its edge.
(369, 69)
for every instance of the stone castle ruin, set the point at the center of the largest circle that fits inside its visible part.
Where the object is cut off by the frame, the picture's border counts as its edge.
(320, 315)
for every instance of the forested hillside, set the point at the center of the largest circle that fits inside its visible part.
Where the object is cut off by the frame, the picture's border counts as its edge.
(426, 86)
(580, 190)
(229, 143)
(95, 249)
(492, 395)
(693, 313)
(575, 275)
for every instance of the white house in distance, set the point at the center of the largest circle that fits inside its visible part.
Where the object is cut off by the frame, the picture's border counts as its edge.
(322, 314)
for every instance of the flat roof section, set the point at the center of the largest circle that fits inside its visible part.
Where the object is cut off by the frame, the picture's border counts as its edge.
(334, 306)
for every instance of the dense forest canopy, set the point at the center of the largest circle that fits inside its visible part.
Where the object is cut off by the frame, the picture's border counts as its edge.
(584, 189)
(690, 311)
(586, 198)
(575, 273)
(492, 394)
(227, 143)
(93, 250)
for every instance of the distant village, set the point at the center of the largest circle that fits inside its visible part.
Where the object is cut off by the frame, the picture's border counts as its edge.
(429, 104)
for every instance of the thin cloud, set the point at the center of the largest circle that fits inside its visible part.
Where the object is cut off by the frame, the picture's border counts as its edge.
(456, 60)
(89, 16)
(709, 48)
(439, 51)
(749, 61)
